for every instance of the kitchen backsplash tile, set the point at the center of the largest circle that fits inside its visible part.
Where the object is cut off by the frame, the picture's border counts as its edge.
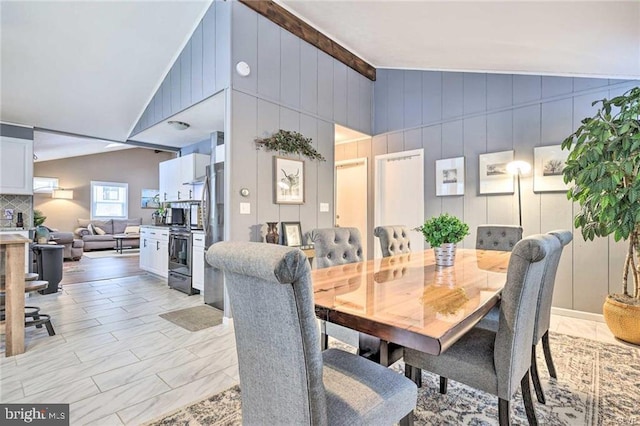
(19, 203)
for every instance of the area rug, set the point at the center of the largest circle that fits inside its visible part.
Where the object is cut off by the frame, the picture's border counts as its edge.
(111, 253)
(196, 318)
(597, 384)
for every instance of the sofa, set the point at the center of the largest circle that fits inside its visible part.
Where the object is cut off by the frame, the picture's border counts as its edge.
(98, 234)
(73, 245)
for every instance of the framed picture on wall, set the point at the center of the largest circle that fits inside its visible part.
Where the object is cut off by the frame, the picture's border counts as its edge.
(288, 181)
(450, 176)
(494, 178)
(549, 162)
(148, 199)
(291, 234)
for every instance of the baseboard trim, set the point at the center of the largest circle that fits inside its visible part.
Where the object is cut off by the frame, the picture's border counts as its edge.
(578, 314)
(227, 320)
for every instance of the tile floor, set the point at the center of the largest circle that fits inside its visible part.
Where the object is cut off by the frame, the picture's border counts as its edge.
(115, 361)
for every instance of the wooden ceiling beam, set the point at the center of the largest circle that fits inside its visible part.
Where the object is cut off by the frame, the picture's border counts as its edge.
(285, 19)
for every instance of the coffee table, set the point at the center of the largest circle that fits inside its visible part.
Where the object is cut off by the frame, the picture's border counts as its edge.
(121, 237)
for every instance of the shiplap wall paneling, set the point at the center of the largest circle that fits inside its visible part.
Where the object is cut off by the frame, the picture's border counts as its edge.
(475, 206)
(268, 123)
(452, 146)
(474, 93)
(526, 134)
(499, 91)
(310, 209)
(166, 97)
(290, 69)
(268, 59)
(395, 102)
(432, 144)
(185, 76)
(380, 102)
(326, 172)
(209, 47)
(500, 138)
(197, 51)
(176, 87)
(325, 86)
(354, 106)
(157, 103)
(452, 94)
(526, 88)
(431, 97)
(339, 92)
(309, 78)
(555, 86)
(222, 47)
(412, 99)
(366, 106)
(243, 170)
(244, 46)
(290, 120)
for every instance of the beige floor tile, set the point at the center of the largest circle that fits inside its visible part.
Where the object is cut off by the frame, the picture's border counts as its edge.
(214, 345)
(136, 371)
(577, 327)
(74, 326)
(176, 398)
(66, 393)
(72, 336)
(43, 365)
(110, 420)
(12, 390)
(106, 403)
(121, 346)
(194, 370)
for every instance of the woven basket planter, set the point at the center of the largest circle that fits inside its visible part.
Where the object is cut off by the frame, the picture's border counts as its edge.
(623, 320)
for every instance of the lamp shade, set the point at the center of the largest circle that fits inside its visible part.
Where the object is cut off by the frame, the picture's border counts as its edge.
(65, 194)
(516, 167)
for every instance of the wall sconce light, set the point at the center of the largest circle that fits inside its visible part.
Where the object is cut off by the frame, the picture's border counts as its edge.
(517, 168)
(63, 194)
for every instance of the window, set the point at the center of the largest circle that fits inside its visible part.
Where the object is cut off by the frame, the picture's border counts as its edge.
(109, 200)
(44, 185)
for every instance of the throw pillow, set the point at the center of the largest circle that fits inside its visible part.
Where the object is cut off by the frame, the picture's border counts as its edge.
(99, 231)
(131, 229)
(91, 229)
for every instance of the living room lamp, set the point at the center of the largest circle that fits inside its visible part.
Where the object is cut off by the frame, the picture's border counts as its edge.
(517, 168)
(64, 194)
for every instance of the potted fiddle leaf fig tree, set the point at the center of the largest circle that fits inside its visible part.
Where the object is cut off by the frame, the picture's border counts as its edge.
(442, 233)
(604, 167)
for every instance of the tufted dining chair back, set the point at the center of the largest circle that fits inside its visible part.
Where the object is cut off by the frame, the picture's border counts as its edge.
(336, 246)
(498, 237)
(394, 239)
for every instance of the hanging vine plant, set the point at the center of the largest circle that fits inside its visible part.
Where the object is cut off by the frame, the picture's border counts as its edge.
(289, 142)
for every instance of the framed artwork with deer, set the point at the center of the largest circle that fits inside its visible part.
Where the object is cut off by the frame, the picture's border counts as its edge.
(288, 181)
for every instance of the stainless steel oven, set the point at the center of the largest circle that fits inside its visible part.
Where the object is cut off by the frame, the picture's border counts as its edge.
(180, 261)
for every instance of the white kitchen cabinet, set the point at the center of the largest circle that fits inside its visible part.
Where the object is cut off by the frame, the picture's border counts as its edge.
(178, 177)
(197, 274)
(16, 166)
(154, 250)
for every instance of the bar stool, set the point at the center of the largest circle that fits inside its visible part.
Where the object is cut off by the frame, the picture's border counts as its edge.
(33, 317)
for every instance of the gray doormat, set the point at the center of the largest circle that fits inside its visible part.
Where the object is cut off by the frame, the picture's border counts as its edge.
(196, 318)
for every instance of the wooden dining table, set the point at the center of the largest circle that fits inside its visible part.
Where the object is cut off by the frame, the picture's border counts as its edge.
(407, 300)
(12, 248)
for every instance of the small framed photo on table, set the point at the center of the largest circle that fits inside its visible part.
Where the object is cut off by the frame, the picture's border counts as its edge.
(291, 234)
(450, 176)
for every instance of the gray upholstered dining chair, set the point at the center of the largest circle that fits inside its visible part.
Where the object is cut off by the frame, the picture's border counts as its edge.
(337, 246)
(498, 237)
(284, 376)
(543, 313)
(495, 362)
(393, 239)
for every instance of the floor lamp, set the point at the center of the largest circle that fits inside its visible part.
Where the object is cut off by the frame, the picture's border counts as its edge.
(518, 168)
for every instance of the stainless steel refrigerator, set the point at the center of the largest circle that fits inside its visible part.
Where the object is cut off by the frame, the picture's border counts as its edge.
(213, 220)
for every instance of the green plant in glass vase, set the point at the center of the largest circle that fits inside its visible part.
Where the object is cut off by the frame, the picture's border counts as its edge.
(603, 165)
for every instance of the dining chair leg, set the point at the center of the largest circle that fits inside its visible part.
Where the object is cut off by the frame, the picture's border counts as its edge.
(547, 355)
(443, 385)
(528, 402)
(407, 420)
(384, 353)
(504, 416)
(535, 377)
(414, 374)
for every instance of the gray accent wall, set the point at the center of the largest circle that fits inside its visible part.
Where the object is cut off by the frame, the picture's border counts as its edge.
(468, 114)
(292, 86)
(201, 70)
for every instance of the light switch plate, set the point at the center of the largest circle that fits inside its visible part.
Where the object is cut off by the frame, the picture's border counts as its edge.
(245, 208)
(324, 207)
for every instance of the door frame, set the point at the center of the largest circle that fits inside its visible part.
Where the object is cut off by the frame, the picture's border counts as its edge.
(353, 161)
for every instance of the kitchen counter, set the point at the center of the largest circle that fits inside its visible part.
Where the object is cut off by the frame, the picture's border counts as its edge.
(14, 252)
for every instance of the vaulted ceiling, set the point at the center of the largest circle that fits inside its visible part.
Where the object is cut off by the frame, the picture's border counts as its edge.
(90, 68)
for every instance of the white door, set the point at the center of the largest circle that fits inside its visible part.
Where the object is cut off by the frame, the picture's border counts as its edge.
(399, 193)
(351, 197)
